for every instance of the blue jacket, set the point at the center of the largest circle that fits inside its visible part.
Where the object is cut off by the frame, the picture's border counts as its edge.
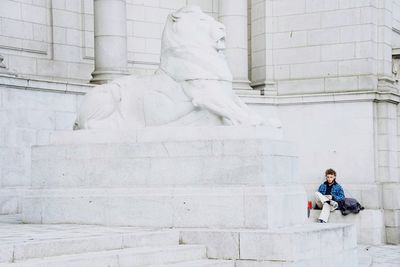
(336, 192)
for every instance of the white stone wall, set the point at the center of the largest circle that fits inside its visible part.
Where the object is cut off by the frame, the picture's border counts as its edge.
(309, 46)
(396, 24)
(29, 111)
(53, 39)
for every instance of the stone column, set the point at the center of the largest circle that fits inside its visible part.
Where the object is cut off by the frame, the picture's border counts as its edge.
(233, 14)
(110, 42)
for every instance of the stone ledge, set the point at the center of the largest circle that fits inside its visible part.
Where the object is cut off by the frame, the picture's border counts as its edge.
(44, 85)
(288, 244)
(369, 224)
(343, 97)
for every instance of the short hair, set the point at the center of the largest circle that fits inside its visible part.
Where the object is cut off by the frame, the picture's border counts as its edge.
(330, 171)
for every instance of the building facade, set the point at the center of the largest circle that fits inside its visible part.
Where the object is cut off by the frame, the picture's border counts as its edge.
(328, 69)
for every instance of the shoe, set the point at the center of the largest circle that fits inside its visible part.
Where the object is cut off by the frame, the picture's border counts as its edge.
(321, 221)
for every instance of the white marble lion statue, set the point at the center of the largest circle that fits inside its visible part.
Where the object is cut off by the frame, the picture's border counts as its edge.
(191, 87)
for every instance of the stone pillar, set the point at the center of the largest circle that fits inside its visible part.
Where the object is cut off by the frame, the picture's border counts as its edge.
(110, 42)
(233, 14)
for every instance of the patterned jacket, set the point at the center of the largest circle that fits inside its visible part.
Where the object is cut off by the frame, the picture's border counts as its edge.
(336, 192)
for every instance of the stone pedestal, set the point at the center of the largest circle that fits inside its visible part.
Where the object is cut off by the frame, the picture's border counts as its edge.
(110, 40)
(233, 14)
(235, 186)
(213, 177)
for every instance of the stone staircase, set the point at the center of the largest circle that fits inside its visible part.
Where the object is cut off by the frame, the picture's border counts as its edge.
(85, 246)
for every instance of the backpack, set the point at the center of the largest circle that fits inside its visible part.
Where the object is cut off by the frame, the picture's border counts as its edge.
(350, 205)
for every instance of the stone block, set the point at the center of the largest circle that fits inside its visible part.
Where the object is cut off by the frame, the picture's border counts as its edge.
(64, 120)
(201, 163)
(67, 53)
(220, 244)
(338, 52)
(59, 35)
(161, 207)
(291, 245)
(85, 241)
(20, 137)
(51, 68)
(369, 82)
(366, 50)
(357, 67)
(206, 6)
(30, 119)
(340, 84)
(67, 19)
(297, 55)
(299, 22)
(368, 223)
(20, 64)
(40, 33)
(10, 9)
(313, 70)
(147, 29)
(74, 37)
(45, 101)
(290, 39)
(393, 235)
(340, 18)
(73, 5)
(392, 218)
(301, 86)
(17, 29)
(357, 33)
(287, 7)
(6, 253)
(391, 196)
(299, 243)
(35, 14)
(9, 202)
(323, 36)
(321, 5)
(35, 46)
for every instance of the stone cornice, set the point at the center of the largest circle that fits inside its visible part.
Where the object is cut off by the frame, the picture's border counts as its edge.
(354, 96)
(44, 85)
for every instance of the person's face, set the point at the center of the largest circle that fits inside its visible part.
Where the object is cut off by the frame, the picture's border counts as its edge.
(330, 178)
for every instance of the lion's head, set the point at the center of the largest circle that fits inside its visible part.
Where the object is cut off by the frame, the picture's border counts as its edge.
(192, 46)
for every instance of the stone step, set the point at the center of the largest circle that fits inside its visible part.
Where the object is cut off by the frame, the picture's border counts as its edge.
(311, 244)
(142, 256)
(199, 263)
(234, 207)
(169, 163)
(369, 224)
(24, 242)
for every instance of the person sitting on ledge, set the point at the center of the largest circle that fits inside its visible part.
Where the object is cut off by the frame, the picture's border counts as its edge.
(329, 196)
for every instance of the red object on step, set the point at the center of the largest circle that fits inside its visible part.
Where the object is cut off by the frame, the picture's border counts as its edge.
(309, 207)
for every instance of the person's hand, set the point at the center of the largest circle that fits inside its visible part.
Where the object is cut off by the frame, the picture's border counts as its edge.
(329, 197)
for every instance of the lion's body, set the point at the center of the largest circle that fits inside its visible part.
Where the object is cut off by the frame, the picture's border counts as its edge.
(193, 85)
